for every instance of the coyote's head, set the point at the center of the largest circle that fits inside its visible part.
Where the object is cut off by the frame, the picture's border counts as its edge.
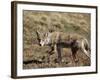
(43, 38)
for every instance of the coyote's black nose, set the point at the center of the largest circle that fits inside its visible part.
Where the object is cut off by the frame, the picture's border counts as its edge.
(40, 44)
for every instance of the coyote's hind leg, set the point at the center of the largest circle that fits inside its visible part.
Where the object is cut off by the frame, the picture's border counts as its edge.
(74, 52)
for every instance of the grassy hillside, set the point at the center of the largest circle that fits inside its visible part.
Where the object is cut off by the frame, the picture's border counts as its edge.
(36, 56)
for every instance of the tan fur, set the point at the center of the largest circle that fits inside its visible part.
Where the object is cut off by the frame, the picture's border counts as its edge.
(63, 36)
(75, 41)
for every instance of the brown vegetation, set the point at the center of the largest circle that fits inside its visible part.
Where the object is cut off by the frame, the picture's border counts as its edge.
(35, 56)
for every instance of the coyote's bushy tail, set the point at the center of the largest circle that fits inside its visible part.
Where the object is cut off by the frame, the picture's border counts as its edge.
(85, 47)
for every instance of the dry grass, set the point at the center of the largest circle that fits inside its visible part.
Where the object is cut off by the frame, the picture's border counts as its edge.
(36, 56)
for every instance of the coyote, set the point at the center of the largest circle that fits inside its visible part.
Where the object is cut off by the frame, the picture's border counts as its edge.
(58, 40)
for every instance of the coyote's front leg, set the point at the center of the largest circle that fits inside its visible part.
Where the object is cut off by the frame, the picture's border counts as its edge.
(50, 53)
(58, 50)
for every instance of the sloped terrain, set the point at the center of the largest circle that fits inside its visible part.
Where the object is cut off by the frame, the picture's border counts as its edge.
(35, 56)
